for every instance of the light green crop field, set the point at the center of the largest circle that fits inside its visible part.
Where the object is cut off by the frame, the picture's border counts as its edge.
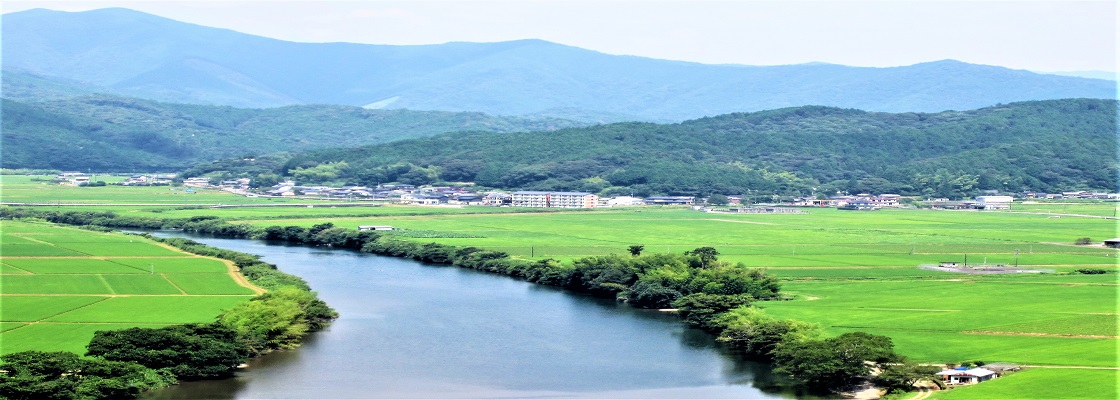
(55, 301)
(1069, 207)
(1040, 384)
(173, 264)
(71, 266)
(207, 284)
(152, 309)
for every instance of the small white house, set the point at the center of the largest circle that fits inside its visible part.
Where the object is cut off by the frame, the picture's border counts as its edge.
(994, 202)
(197, 182)
(375, 228)
(966, 377)
(622, 201)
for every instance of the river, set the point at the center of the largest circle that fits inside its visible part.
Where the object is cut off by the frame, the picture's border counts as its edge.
(413, 330)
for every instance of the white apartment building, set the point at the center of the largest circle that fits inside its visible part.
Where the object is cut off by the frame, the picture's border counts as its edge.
(554, 199)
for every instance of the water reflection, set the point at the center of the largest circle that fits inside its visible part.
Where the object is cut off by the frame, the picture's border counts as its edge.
(411, 330)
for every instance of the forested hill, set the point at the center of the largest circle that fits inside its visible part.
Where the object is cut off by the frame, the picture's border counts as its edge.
(131, 53)
(109, 133)
(1043, 145)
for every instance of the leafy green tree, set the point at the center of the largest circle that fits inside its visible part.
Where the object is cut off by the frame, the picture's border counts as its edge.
(720, 278)
(702, 309)
(905, 375)
(718, 200)
(832, 363)
(651, 294)
(315, 229)
(756, 334)
(707, 255)
(636, 249)
(277, 319)
(264, 180)
(604, 275)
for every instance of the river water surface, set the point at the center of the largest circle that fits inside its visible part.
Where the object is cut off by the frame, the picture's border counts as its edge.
(412, 330)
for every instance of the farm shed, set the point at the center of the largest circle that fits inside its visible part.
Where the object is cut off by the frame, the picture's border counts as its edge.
(375, 228)
(966, 376)
(1113, 243)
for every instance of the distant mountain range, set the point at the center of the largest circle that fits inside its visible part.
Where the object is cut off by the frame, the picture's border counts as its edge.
(125, 52)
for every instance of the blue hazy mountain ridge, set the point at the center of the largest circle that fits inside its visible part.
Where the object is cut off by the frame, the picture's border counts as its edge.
(142, 55)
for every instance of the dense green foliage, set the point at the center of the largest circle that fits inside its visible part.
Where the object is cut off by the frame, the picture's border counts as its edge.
(756, 334)
(1042, 146)
(277, 319)
(138, 54)
(111, 133)
(832, 362)
(35, 375)
(191, 351)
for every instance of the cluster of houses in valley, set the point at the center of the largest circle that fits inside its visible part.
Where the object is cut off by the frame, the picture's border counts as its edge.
(148, 180)
(862, 201)
(73, 178)
(466, 195)
(1083, 194)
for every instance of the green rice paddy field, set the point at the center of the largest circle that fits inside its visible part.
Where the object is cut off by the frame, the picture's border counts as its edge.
(846, 271)
(58, 285)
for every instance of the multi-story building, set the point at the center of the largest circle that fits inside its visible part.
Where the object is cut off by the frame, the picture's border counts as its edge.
(554, 199)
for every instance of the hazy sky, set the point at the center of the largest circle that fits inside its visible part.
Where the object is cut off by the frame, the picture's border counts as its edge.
(1034, 35)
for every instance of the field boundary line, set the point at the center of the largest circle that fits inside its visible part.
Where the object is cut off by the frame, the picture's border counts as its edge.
(106, 282)
(738, 222)
(64, 312)
(126, 265)
(12, 329)
(1070, 367)
(1037, 334)
(176, 285)
(906, 309)
(21, 269)
(106, 258)
(21, 235)
(117, 295)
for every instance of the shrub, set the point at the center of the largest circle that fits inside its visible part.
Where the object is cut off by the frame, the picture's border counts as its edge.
(1091, 271)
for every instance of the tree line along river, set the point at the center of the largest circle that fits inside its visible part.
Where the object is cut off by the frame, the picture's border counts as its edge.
(413, 330)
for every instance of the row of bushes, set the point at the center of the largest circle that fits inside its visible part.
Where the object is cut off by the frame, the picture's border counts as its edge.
(124, 363)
